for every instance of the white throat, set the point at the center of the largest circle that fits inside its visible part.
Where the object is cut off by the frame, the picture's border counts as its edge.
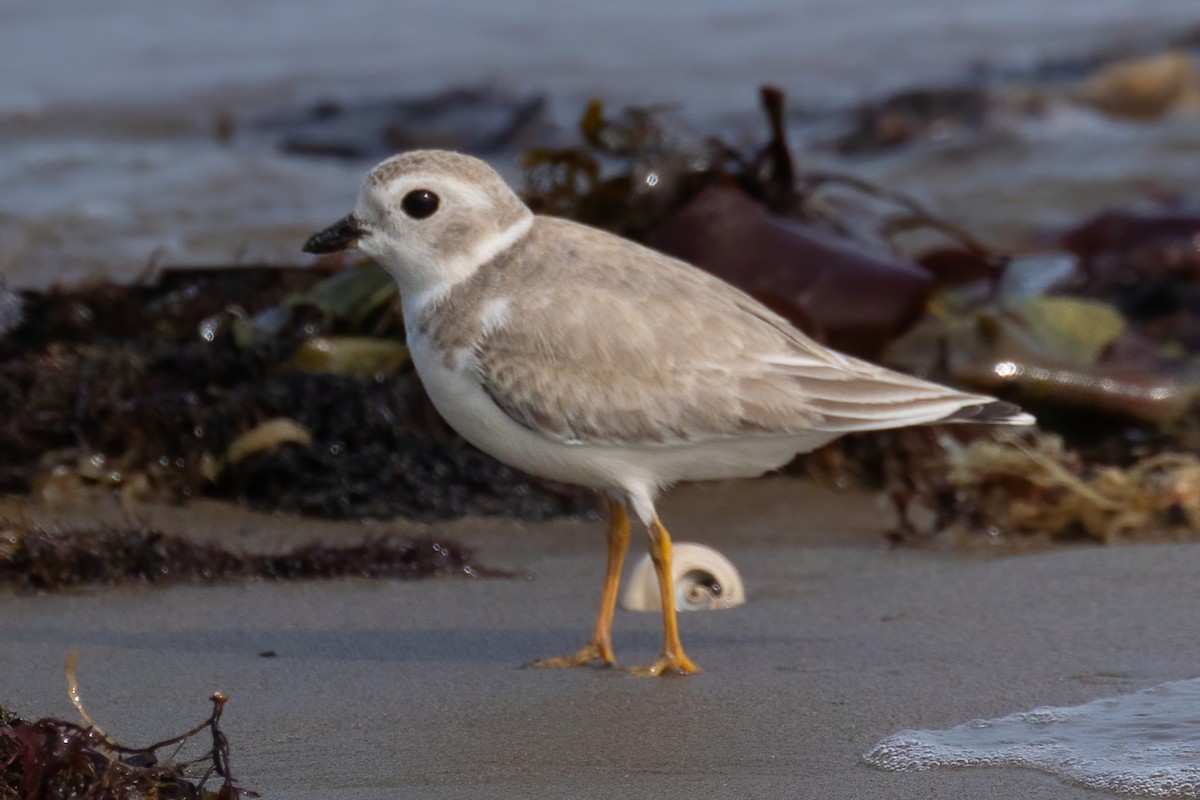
(488, 249)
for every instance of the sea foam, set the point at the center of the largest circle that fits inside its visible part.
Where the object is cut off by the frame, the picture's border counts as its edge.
(1146, 744)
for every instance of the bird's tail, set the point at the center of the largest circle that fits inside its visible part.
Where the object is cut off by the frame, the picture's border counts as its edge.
(991, 412)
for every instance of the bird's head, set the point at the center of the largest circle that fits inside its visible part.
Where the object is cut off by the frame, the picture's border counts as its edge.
(430, 218)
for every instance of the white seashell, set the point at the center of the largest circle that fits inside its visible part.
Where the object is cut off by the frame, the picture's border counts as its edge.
(704, 580)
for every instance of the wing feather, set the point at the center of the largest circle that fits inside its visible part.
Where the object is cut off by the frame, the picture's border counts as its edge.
(620, 345)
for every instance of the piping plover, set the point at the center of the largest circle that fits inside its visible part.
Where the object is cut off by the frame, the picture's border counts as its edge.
(576, 355)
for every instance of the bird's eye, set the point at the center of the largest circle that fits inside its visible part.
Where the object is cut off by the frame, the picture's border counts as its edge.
(420, 203)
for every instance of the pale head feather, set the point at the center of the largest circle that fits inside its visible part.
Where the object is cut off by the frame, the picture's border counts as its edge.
(477, 217)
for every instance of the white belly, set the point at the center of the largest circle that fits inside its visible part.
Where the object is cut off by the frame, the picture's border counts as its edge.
(460, 398)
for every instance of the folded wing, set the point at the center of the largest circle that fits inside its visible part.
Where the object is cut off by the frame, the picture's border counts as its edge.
(673, 356)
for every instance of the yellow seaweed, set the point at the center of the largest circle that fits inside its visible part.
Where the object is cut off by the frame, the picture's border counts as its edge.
(267, 436)
(360, 357)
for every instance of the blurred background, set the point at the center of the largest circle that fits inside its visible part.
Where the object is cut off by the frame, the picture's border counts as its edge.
(137, 132)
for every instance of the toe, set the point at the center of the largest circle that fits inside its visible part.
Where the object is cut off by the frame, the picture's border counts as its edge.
(667, 665)
(588, 655)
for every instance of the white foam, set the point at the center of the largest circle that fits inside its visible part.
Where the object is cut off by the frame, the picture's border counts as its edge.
(1146, 744)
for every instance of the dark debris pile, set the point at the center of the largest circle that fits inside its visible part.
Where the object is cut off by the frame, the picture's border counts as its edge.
(36, 559)
(380, 451)
(53, 759)
(953, 484)
(150, 387)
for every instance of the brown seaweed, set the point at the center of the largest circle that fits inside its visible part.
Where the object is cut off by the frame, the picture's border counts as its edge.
(147, 388)
(1007, 486)
(36, 558)
(843, 295)
(1145, 265)
(53, 759)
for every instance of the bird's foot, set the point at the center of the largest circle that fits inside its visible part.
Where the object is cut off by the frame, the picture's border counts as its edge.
(675, 664)
(591, 654)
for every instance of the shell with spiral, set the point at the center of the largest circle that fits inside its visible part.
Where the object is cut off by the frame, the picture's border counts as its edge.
(704, 580)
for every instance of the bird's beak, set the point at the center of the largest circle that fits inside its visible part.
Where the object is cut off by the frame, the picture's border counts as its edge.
(340, 235)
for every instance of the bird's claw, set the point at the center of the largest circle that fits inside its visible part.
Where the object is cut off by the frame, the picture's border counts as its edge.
(586, 656)
(667, 665)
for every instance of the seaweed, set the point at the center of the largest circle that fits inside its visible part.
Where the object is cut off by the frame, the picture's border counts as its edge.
(53, 759)
(35, 558)
(148, 388)
(1005, 485)
(1147, 266)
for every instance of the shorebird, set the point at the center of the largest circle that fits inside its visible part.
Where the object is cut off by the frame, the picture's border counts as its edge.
(577, 355)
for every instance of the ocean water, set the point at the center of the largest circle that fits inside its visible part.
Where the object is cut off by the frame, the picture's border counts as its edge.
(108, 110)
(1145, 744)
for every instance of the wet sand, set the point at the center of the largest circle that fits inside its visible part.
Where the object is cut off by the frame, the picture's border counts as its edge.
(415, 689)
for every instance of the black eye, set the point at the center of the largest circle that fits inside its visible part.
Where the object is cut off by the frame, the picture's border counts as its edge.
(420, 203)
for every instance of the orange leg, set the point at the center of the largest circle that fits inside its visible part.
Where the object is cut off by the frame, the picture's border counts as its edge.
(599, 647)
(673, 660)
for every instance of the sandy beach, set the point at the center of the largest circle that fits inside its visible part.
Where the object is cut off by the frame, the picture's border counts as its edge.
(415, 689)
